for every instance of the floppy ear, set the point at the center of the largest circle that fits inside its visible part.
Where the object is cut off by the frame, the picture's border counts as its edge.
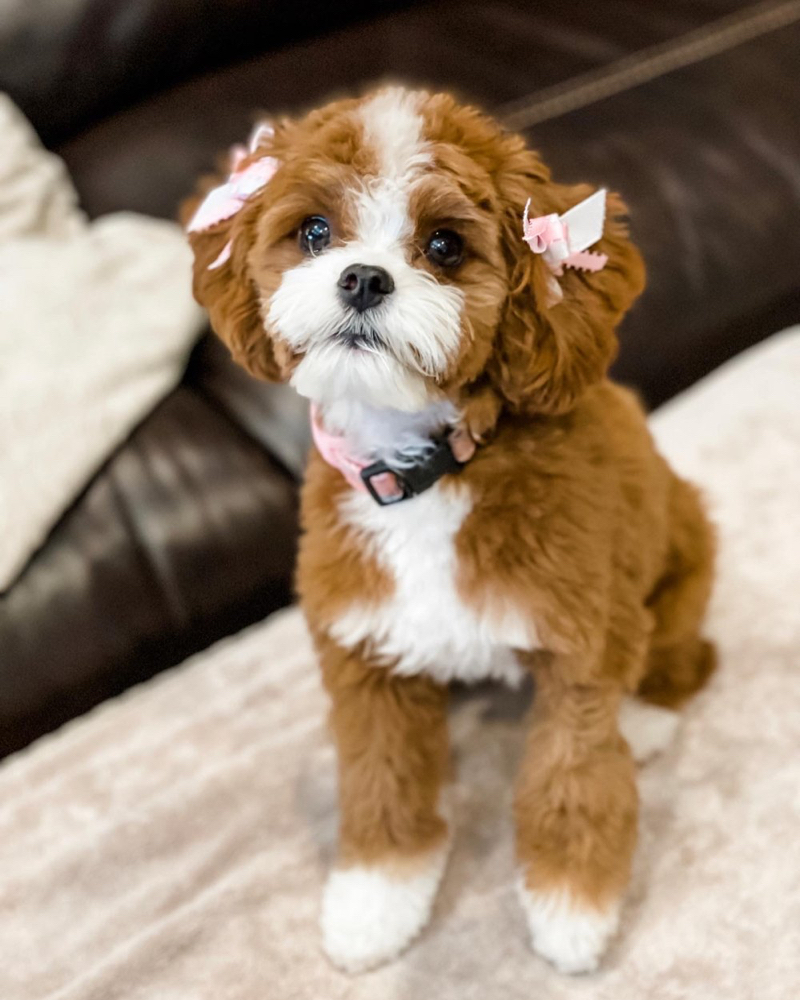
(222, 284)
(546, 354)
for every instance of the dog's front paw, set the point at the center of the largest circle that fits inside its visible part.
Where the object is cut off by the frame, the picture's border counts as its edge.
(371, 914)
(567, 933)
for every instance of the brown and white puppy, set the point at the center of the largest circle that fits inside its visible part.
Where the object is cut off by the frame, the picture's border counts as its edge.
(382, 272)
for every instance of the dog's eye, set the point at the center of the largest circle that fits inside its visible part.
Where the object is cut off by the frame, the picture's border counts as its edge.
(315, 234)
(445, 248)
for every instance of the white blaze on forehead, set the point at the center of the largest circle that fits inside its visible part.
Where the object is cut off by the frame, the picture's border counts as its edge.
(393, 129)
(393, 126)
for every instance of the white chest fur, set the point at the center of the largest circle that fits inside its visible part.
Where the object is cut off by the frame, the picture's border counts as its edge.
(425, 626)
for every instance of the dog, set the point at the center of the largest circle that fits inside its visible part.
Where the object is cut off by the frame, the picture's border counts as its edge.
(481, 500)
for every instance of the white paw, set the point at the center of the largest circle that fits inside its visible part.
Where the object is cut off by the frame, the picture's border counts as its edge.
(649, 729)
(568, 934)
(370, 914)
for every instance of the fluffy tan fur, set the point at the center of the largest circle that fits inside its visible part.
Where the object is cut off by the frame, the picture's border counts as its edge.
(575, 518)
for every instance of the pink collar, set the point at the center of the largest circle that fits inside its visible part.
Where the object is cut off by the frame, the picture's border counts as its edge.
(386, 484)
(333, 449)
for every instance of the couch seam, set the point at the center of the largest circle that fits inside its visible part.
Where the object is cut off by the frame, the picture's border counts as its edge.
(651, 63)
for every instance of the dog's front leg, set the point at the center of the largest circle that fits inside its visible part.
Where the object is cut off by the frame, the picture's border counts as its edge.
(576, 812)
(391, 739)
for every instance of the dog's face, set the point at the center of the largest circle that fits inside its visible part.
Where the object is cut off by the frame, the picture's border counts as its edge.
(383, 262)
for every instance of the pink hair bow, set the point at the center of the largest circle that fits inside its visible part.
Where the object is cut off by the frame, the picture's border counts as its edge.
(227, 199)
(542, 232)
(564, 240)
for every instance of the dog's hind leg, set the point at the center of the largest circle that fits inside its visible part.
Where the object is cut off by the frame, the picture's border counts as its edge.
(680, 661)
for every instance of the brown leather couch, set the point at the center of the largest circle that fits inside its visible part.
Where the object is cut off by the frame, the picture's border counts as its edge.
(689, 108)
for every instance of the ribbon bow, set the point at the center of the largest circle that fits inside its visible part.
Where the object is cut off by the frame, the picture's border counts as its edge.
(227, 199)
(542, 232)
(564, 240)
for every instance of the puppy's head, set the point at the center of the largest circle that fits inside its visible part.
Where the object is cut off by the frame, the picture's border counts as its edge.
(383, 261)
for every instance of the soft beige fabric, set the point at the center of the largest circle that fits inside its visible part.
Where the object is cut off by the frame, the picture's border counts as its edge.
(95, 325)
(172, 845)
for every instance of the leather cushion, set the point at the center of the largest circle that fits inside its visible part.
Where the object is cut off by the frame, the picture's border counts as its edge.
(188, 533)
(67, 63)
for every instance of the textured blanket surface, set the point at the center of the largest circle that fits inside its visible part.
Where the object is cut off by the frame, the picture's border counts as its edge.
(172, 845)
(95, 324)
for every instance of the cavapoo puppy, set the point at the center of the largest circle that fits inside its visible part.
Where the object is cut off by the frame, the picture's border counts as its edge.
(481, 500)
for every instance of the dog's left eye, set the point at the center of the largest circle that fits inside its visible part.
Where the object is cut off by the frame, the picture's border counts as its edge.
(315, 234)
(445, 248)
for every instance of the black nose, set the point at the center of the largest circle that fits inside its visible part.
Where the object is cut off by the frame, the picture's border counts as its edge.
(363, 287)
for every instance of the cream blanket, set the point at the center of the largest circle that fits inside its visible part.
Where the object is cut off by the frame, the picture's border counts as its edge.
(95, 324)
(172, 845)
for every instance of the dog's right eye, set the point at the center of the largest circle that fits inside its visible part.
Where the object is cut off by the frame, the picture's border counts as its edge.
(314, 234)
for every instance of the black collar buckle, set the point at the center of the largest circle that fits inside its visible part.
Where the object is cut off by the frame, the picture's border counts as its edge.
(388, 485)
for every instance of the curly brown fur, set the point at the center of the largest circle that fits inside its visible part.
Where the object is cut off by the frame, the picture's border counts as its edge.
(577, 539)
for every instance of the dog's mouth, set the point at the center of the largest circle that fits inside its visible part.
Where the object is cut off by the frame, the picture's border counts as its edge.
(360, 339)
